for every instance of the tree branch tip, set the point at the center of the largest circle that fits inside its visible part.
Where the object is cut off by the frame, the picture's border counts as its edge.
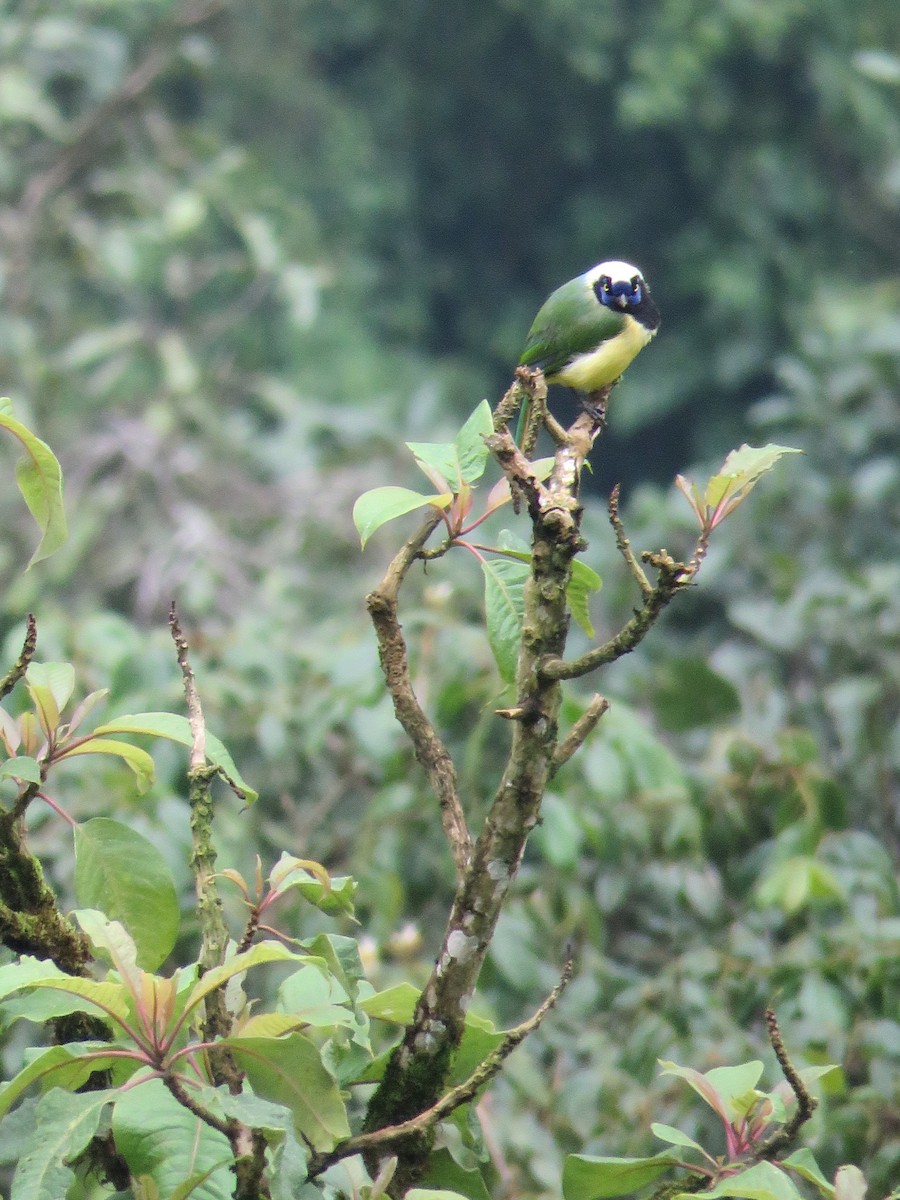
(20, 666)
(519, 713)
(580, 731)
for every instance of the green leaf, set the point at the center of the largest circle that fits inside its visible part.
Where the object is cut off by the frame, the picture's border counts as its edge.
(89, 995)
(23, 768)
(289, 1157)
(668, 1133)
(397, 1004)
(262, 952)
(118, 871)
(316, 998)
(64, 1124)
(472, 453)
(162, 1141)
(341, 956)
(176, 728)
(112, 941)
(741, 471)
(140, 762)
(721, 1087)
(804, 1164)
(688, 693)
(16, 975)
(763, 1181)
(796, 882)
(588, 1178)
(67, 1065)
(461, 461)
(313, 883)
(750, 462)
(444, 1176)
(39, 477)
(382, 504)
(289, 1071)
(504, 603)
(57, 678)
(582, 582)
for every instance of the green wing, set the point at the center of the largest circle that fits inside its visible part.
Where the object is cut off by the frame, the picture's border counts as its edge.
(571, 321)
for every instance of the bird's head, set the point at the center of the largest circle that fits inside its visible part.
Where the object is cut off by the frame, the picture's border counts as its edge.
(618, 285)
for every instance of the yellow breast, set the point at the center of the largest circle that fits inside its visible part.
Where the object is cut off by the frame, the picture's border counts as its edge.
(597, 368)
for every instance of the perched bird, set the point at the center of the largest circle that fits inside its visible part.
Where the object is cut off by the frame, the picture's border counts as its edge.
(587, 332)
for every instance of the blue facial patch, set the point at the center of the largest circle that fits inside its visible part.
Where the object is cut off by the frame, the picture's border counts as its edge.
(611, 294)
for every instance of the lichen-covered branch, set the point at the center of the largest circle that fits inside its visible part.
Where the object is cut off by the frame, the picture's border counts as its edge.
(783, 1138)
(213, 930)
(214, 936)
(452, 1099)
(400, 1114)
(415, 1075)
(673, 577)
(20, 666)
(30, 918)
(394, 655)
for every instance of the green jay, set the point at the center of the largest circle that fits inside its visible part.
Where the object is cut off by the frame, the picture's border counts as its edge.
(587, 332)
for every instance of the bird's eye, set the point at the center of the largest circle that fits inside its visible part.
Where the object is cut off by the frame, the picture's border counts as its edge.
(635, 284)
(606, 284)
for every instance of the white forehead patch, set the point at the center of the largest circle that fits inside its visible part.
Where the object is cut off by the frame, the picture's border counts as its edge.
(618, 271)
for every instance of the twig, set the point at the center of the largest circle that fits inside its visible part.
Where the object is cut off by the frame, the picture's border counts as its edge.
(195, 713)
(624, 546)
(184, 1098)
(455, 1097)
(213, 930)
(672, 578)
(806, 1104)
(579, 732)
(20, 666)
(394, 655)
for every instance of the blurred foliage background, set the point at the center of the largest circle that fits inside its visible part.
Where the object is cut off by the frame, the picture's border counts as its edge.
(245, 251)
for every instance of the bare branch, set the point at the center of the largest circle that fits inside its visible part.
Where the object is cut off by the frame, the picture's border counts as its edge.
(806, 1104)
(394, 655)
(624, 546)
(580, 732)
(673, 577)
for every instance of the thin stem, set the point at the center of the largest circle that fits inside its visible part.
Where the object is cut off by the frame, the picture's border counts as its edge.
(806, 1103)
(20, 666)
(579, 732)
(57, 808)
(673, 577)
(624, 545)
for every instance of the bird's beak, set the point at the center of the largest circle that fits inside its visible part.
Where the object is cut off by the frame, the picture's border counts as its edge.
(622, 301)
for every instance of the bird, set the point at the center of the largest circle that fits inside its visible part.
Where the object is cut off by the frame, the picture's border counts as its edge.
(587, 332)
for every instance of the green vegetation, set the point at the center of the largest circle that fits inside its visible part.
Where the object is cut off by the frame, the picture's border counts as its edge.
(246, 252)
